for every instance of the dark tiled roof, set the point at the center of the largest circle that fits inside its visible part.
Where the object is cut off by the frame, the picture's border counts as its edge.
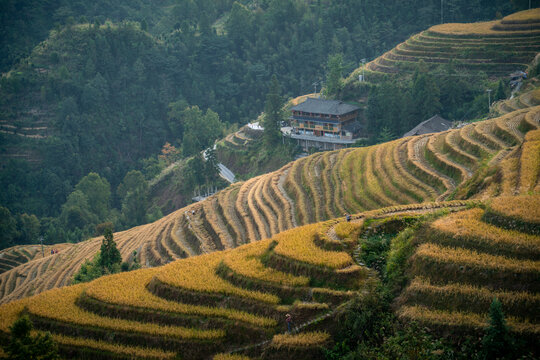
(328, 107)
(431, 125)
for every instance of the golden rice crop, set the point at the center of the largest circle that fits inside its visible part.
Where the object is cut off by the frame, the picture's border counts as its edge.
(344, 229)
(338, 183)
(509, 169)
(373, 181)
(9, 313)
(59, 305)
(468, 224)
(305, 339)
(285, 210)
(280, 224)
(327, 183)
(293, 186)
(459, 318)
(230, 357)
(524, 16)
(198, 274)
(245, 261)
(298, 244)
(310, 176)
(387, 174)
(131, 351)
(408, 181)
(130, 289)
(477, 28)
(525, 207)
(250, 227)
(530, 161)
(474, 259)
(423, 285)
(227, 205)
(257, 209)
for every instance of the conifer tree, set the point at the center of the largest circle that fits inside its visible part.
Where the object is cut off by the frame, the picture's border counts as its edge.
(273, 114)
(110, 256)
(334, 83)
(500, 94)
(497, 342)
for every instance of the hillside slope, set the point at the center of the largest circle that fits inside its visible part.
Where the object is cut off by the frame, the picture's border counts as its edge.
(483, 159)
(234, 301)
(495, 47)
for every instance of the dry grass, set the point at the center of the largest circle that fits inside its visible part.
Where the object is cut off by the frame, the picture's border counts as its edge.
(129, 289)
(525, 207)
(526, 16)
(472, 294)
(468, 226)
(530, 162)
(59, 305)
(298, 244)
(245, 261)
(344, 229)
(198, 274)
(305, 339)
(475, 259)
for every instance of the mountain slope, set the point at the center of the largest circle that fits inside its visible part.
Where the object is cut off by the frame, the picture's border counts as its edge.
(495, 47)
(482, 159)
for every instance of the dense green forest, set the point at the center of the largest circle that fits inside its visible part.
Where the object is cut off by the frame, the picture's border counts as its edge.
(106, 85)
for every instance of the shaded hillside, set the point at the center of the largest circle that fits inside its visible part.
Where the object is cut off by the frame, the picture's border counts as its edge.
(483, 159)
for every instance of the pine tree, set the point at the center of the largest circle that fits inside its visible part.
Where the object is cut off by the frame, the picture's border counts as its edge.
(110, 256)
(273, 114)
(425, 94)
(334, 83)
(500, 94)
(23, 346)
(497, 342)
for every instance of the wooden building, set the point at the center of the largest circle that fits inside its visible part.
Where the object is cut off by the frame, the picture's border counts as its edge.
(325, 124)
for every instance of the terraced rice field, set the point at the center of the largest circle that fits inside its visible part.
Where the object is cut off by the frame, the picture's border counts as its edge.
(467, 258)
(320, 187)
(496, 47)
(199, 306)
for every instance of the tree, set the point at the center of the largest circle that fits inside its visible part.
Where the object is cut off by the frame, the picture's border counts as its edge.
(385, 135)
(273, 114)
(334, 70)
(200, 130)
(133, 193)
(8, 228)
(497, 341)
(109, 255)
(500, 94)
(29, 228)
(98, 192)
(425, 94)
(23, 346)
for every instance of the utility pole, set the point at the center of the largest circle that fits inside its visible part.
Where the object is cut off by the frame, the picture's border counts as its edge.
(442, 17)
(489, 98)
(363, 67)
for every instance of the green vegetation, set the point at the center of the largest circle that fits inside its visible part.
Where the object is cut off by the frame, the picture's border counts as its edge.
(24, 346)
(107, 261)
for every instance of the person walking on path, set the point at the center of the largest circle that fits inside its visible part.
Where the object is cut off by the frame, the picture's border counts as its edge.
(348, 217)
(288, 320)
